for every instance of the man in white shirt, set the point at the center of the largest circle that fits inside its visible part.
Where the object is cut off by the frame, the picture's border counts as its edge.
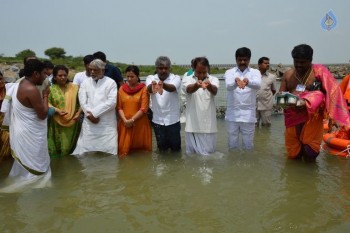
(81, 76)
(98, 98)
(200, 89)
(242, 83)
(164, 89)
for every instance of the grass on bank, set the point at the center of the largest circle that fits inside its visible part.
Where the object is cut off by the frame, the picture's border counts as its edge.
(75, 64)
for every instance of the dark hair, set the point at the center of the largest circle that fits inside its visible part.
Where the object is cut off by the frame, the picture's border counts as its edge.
(243, 52)
(1, 74)
(100, 55)
(262, 59)
(192, 61)
(88, 58)
(55, 72)
(48, 64)
(302, 51)
(133, 69)
(33, 65)
(201, 60)
(27, 58)
(21, 73)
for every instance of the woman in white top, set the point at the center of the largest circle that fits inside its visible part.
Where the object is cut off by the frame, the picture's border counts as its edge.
(200, 90)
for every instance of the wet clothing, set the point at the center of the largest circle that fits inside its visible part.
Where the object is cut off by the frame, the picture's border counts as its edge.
(304, 126)
(63, 131)
(168, 137)
(241, 106)
(264, 98)
(100, 99)
(28, 140)
(166, 114)
(201, 124)
(138, 137)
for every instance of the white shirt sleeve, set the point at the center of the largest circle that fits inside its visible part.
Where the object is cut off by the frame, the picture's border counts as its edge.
(255, 79)
(109, 103)
(215, 81)
(230, 80)
(177, 83)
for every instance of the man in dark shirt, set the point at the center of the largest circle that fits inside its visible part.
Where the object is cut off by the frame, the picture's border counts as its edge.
(110, 71)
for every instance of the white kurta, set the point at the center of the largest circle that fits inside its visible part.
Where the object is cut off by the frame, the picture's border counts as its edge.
(201, 124)
(201, 109)
(28, 140)
(100, 99)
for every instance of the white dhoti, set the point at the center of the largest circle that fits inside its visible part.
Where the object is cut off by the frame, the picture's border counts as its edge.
(20, 180)
(28, 140)
(200, 143)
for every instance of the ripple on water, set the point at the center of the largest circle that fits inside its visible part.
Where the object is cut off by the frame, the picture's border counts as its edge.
(229, 191)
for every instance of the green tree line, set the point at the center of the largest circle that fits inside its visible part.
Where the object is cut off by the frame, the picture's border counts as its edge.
(58, 57)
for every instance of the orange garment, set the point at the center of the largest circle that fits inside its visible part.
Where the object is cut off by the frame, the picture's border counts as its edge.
(138, 137)
(345, 89)
(5, 151)
(311, 134)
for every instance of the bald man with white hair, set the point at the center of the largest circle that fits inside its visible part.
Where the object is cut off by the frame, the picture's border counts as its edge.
(98, 98)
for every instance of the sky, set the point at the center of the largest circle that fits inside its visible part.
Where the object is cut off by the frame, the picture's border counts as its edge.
(138, 31)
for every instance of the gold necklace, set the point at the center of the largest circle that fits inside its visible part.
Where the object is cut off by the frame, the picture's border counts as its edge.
(308, 74)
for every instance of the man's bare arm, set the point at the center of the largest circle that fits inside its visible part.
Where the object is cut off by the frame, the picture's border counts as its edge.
(212, 89)
(169, 87)
(40, 104)
(287, 82)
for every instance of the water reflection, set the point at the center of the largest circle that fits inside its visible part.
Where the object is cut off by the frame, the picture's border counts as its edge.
(229, 191)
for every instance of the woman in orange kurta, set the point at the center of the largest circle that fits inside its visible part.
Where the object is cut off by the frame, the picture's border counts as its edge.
(134, 130)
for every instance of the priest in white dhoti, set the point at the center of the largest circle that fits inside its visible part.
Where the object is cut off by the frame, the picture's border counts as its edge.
(201, 126)
(26, 110)
(98, 98)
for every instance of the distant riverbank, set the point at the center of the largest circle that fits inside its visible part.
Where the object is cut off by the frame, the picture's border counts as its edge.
(11, 68)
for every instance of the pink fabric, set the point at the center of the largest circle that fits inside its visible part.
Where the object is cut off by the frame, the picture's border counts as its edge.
(294, 116)
(313, 100)
(335, 104)
(333, 101)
